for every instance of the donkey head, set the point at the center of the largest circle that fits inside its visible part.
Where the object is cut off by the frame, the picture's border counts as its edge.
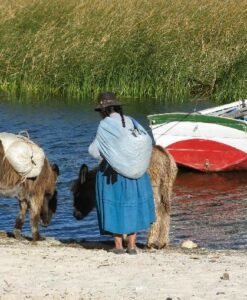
(83, 191)
(50, 198)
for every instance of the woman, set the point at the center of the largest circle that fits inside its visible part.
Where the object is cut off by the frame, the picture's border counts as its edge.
(124, 205)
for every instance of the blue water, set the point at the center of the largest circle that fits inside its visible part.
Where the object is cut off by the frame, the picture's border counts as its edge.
(209, 209)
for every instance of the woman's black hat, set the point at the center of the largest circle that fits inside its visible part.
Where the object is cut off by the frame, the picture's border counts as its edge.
(106, 99)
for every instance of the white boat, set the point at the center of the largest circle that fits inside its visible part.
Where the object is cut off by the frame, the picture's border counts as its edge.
(235, 110)
(209, 140)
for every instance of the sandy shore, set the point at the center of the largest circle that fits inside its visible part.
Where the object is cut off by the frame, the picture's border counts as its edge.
(55, 270)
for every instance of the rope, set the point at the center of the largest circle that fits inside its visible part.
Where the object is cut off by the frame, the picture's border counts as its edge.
(186, 116)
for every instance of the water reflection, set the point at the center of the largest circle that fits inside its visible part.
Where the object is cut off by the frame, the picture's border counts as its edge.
(208, 208)
(211, 209)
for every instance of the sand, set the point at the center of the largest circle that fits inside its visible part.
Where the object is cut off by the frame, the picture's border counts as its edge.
(53, 269)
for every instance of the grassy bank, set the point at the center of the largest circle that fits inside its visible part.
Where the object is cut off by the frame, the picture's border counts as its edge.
(172, 49)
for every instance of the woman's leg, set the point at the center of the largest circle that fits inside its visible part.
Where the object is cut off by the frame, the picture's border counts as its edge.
(131, 249)
(132, 241)
(118, 240)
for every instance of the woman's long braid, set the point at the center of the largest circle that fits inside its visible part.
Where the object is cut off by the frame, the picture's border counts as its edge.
(110, 109)
(122, 117)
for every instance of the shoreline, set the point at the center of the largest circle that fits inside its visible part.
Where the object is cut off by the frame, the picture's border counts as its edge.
(52, 269)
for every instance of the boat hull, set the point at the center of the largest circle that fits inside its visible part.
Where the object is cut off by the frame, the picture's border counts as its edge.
(204, 143)
(207, 156)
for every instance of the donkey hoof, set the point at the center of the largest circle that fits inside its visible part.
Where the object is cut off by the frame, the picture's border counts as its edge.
(37, 237)
(156, 245)
(17, 234)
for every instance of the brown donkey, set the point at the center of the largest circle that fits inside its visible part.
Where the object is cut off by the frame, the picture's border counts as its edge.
(162, 171)
(37, 194)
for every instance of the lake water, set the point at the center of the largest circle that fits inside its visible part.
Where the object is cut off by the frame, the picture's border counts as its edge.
(209, 209)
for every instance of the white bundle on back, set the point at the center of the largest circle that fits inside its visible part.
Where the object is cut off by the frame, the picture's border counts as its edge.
(26, 157)
(128, 151)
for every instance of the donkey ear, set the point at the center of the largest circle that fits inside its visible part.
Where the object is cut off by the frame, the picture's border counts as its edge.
(83, 173)
(55, 168)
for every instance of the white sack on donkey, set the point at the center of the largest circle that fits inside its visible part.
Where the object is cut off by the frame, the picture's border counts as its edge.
(129, 155)
(26, 157)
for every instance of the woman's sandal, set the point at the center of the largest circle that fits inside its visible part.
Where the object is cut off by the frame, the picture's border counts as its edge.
(117, 250)
(131, 251)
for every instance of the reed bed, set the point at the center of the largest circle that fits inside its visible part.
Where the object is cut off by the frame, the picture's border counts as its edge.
(170, 50)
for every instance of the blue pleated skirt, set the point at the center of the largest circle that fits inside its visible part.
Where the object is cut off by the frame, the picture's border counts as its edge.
(123, 205)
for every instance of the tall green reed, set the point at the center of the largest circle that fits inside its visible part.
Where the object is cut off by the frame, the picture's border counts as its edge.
(170, 50)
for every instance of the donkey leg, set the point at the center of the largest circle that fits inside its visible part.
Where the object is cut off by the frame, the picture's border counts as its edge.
(34, 220)
(153, 233)
(156, 238)
(164, 230)
(20, 219)
(165, 212)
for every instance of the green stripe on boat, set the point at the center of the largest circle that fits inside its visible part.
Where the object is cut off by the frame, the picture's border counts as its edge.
(194, 117)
